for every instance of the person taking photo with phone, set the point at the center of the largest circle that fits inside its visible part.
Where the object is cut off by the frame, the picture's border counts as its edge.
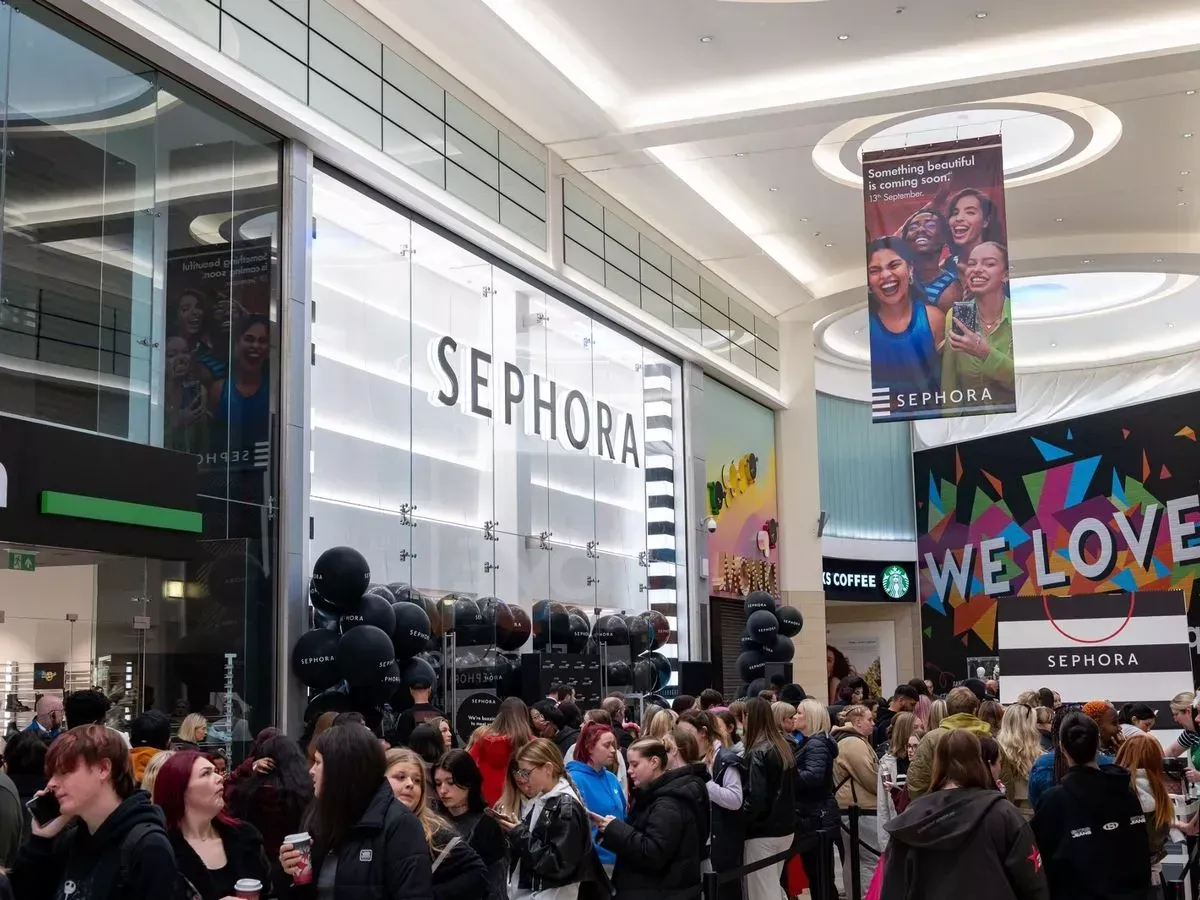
(98, 834)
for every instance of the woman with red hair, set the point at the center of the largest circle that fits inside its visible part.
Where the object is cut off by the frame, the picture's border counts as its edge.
(212, 850)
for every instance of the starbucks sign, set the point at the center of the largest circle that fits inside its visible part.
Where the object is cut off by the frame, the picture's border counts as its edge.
(868, 581)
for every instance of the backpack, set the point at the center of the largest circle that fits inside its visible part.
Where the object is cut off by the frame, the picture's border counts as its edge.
(183, 889)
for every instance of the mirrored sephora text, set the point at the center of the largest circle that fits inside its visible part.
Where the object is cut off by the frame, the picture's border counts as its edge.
(469, 378)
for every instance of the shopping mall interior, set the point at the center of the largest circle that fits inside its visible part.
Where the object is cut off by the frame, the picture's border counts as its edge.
(539, 302)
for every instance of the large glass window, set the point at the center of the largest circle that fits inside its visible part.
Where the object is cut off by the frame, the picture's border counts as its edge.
(138, 299)
(474, 435)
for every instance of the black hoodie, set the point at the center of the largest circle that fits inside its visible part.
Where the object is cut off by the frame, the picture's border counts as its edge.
(963, 842)
(1093, 836)
(91, 863)
(660, 846)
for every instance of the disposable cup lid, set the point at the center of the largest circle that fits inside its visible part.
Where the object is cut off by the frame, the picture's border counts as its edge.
(298, 838)
(248, 884)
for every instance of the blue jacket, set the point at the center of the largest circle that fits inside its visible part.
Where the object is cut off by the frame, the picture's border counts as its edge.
(1041, 776)
(602, 795)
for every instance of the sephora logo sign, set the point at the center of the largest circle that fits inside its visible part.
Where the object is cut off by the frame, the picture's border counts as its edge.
(469, 378)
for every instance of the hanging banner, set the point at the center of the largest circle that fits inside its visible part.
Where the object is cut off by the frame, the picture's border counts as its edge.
(937, 281)
(1123, 647)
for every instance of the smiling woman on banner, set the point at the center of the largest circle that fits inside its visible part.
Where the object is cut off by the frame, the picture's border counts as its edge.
(983, 360)
(904, 327)
(972, 218)
(927, 233)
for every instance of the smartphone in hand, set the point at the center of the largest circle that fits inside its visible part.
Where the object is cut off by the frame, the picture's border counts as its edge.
(44, 808)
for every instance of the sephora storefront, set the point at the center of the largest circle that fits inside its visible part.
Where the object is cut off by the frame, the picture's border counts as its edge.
(476, 436)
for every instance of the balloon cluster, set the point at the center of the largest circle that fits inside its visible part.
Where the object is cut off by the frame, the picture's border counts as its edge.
(643, 633)
(371, 640)
(768, 635)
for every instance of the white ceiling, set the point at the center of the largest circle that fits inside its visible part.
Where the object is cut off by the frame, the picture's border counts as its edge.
(692, 135)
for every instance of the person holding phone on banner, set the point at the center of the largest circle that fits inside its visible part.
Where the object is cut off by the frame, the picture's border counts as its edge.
(905, 328)
(927, 233)
(978, 352)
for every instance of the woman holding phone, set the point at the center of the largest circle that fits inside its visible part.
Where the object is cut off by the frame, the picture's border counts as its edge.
(982, 359)
(552, 857)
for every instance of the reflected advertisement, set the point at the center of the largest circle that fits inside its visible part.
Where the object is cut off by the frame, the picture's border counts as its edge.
(938, 301)
(217, 382)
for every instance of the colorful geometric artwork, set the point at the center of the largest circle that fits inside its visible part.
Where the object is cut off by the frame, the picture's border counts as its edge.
(1028, 496)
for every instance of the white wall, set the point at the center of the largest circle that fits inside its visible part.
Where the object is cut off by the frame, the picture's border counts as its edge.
(35, 606)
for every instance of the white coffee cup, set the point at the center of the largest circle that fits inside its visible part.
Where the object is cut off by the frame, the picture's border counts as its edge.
(248, 888)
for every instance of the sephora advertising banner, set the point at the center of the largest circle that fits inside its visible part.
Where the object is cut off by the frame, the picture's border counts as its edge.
(938, 302)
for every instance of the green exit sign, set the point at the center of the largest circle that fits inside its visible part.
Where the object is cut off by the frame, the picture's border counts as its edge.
(25, 562)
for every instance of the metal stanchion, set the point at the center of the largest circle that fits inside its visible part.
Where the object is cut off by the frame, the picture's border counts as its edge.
(855, 855)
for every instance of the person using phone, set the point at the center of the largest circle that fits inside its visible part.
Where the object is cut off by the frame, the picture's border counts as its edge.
(117, 847)
(982, 359)
(552, 856)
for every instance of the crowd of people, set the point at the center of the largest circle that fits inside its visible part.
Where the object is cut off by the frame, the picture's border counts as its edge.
(953, 795)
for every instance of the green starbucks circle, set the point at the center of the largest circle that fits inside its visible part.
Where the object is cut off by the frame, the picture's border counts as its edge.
(895, 582)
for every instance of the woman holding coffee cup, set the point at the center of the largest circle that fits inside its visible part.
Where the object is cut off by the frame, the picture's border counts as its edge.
(361, 841)
(220, 856)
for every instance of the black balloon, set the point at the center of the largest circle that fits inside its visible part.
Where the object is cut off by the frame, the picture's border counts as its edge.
(640, 634)
(756, 687)
(418, 673)
(364, 654)
(551, 623)
(790, 621)
(405, 593)
(466, 622)
(411, 633)
(619, 672)
(748, 644)
(782, 651)
(578, 634)
(341, 576)
(372, 609)
(503, 672)
(662, 670)
(757, 600)
(435, 658)
(381, 692)
(611, 631)
(660, 628)
(383, 591)
(574, 610)
(517, 633)
(335, 699)
(318, 602)
(750, 665)
(763, 626)
(645, 676)
(314, 659)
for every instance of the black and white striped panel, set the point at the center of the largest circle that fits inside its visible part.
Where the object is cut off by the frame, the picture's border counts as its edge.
(1117, 647)
(663, 508)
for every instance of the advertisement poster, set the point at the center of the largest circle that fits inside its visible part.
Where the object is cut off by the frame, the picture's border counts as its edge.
(218, 355)
(1094, 505)
(738, 444)
(870, 650)
(1124, 647)
(937, 281)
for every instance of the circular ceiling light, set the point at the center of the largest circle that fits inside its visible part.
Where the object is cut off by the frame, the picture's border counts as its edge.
(1034, 130)
(1030, 138)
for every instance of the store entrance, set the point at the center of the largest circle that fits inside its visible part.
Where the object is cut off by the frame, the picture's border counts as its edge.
(75, 619)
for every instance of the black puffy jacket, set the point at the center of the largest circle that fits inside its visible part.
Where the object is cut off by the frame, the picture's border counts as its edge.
(461, 874)
(770, 794)
(816, 806)
(384, 857)
(728, 825)
(660, 845)
(554, 848)
(243, 851)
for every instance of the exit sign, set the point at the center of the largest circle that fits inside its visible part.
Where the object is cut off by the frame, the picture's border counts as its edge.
(25, 562)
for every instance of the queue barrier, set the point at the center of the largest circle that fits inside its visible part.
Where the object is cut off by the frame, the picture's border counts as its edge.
(711, 882)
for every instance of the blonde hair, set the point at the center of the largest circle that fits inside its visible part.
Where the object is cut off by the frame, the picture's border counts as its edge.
(1029, 698)
(431, 823)
(648, 715)
(857, 711)
(544, 752)
(782, 711)
(937, 712)
(816, 717)
(659, 724)
(904, 726)
(1182, 702)
(150, 773)
(190, 727)
(686, 746)
(1019, 740)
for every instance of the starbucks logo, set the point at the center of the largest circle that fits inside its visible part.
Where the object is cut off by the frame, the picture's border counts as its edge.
(895, 582)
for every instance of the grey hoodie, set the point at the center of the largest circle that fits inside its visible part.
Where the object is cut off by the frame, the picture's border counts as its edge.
(963, 842)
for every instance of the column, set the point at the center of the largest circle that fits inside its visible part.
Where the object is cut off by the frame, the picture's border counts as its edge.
(800, 503)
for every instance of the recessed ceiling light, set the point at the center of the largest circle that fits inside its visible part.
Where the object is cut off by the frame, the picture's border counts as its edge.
(1190, 93)
(772, 189)
(1052, 344)
(706, 39)
(982, 14)
(843, 37)
(1059, 219)
(1182, 203)
(1087, 262)
(740, 155)
(1158, 259)
(1186, 172)
(1187, 134)
(829, 243)
(1170, 324)
(803, 219)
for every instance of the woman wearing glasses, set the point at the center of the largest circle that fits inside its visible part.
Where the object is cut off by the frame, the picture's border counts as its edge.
(552, 856)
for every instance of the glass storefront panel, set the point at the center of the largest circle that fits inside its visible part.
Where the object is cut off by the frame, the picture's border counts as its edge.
(535, 429)
(139, 286)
